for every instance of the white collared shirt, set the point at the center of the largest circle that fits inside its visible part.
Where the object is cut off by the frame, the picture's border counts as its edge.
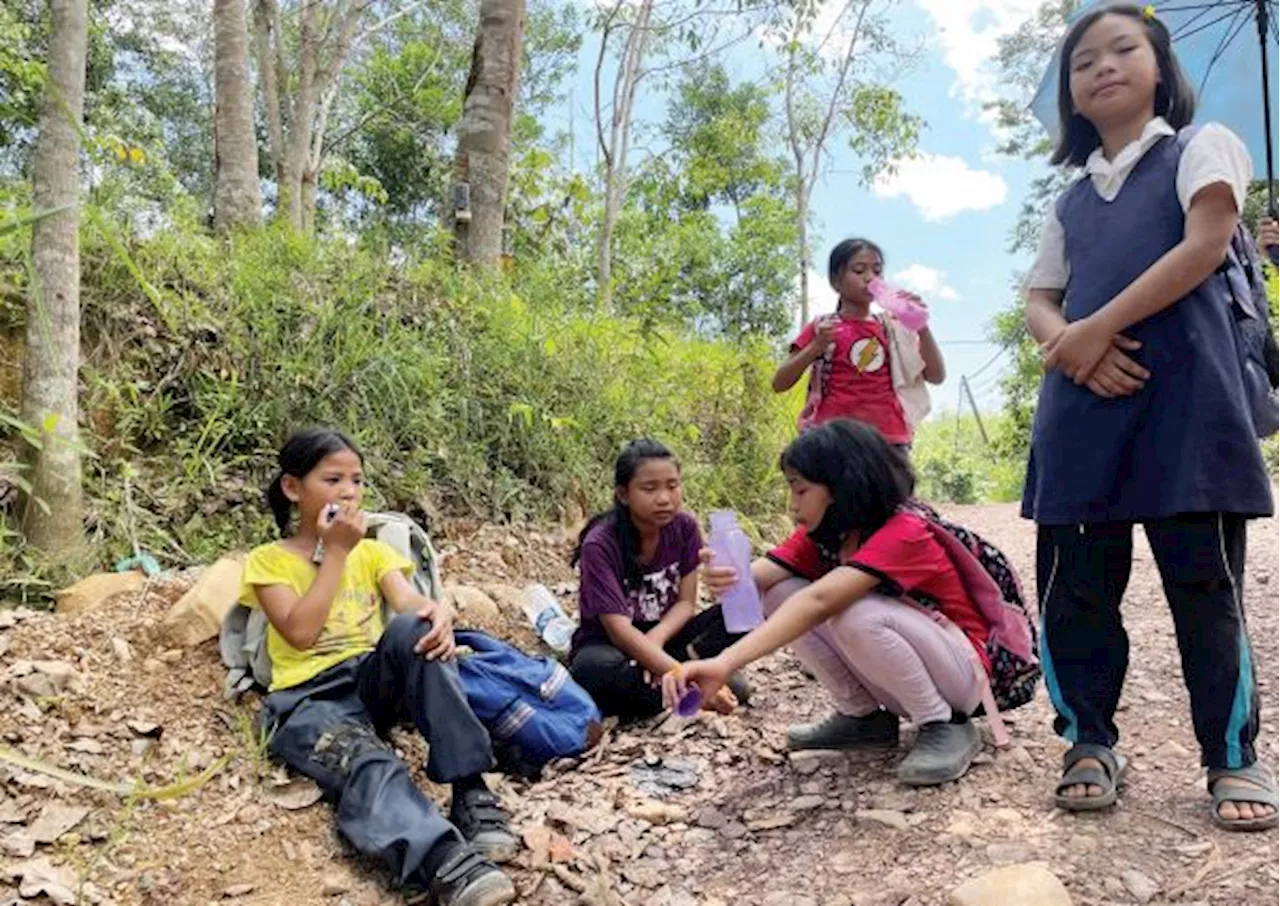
(1215, 154)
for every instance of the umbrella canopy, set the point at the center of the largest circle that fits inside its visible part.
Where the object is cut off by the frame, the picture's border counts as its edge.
(1219, 44)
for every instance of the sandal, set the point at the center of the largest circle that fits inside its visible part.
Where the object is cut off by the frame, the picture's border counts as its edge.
(1110, 777)
(1263, 794)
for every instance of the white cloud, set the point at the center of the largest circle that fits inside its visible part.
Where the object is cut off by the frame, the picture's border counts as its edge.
(968, 33)
(927, 281)
(941, 187)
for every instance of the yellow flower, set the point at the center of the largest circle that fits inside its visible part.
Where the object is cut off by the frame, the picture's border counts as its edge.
(122, 153)
(1149, 11)
(137, 156)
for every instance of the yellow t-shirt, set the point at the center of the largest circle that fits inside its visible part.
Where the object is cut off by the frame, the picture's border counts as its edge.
(355, 621)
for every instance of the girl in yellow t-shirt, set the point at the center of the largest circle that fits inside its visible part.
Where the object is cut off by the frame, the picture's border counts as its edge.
(341, 678)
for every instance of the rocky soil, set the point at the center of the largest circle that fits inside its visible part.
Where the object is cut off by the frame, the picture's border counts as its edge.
(668, 813)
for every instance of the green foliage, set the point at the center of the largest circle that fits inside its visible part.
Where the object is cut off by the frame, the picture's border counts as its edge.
(953, 463)
(468, 396)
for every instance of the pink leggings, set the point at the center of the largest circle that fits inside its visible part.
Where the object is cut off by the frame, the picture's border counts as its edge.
(880, 652)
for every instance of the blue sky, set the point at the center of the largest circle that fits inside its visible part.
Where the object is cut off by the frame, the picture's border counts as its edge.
(944, 220)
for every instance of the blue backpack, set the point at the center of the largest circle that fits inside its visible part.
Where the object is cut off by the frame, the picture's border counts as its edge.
(534, 711)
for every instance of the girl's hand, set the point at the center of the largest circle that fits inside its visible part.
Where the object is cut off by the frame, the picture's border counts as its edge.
(723, 702)
(1077, 349)
(345, 531)
(719, 579)
(438, 644)
(1268, 235)
(709, 676)
(1118, 375)
(824, 333)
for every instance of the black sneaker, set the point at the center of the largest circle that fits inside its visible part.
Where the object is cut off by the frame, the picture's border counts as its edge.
(942, 753)
(466, 879)
(840, 731)
(478, 815)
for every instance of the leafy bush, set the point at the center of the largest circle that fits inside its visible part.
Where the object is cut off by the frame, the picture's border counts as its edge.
(467, 396)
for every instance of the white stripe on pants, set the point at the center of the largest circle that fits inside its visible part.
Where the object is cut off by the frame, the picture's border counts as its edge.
(881, 652)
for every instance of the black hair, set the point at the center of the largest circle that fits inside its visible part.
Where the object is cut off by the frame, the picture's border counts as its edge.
(843, 253)
(867, 477)
(629, 461)
(1175, 98)
(300, 454)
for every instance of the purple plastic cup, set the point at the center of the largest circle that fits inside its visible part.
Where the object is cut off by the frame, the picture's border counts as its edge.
(690, 703)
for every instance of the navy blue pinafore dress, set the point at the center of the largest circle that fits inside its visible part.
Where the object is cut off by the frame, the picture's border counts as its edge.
(1185, 442)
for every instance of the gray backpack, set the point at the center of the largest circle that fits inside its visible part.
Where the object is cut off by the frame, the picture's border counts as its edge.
(243, 638)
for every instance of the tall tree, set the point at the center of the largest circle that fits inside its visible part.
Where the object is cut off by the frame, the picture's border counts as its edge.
(237, 199)
(829, 90)
(52, 517)
(641, 39)
(484, 132)
(298, 94)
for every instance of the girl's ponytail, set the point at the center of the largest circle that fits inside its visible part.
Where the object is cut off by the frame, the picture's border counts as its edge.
(280, 506)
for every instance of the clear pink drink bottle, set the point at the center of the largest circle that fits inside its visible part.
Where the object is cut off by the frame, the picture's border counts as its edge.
(899, 303)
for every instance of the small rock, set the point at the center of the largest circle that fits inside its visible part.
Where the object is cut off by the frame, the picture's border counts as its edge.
(656, 812)
(35, 685)
(1022, 757)
(55, 820)
(1170, 750)
(141, 747)
(1013, 885)
(807, 803)
(1008, 853)
(806, 761)
(152, 665)
(144, 728)
(88, 746)
(787, 898)
(883, 816)
(335, 885)
(845, 862)
(197, 615)
(1143, 888)
(710, 817)
(238, 890)
(91, 592)
(120, 648)
(19, 843)
(171, 657)
(734, 830)
(298, 793)
(40, 876)
(769, 819)
(473, 603)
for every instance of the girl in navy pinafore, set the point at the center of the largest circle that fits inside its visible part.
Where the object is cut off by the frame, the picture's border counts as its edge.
(1142, 414)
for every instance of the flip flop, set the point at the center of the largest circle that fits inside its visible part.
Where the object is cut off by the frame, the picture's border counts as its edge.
(1110, 777)
(1263, 794)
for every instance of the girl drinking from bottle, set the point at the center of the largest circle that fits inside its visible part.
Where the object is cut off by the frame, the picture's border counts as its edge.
(341, 678)
(1142, 415)
(639, 590)
(842, 592)
(869, 367)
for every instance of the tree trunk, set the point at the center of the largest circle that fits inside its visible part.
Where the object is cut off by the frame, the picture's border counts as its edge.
(484, 132)
(52, 360)
(270, 64)
(802, 249)
(237, 198)
(301, 123)
(615, 175)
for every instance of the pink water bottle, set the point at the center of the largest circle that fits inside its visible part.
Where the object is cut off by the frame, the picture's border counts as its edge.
(899, 303)
(730, 546)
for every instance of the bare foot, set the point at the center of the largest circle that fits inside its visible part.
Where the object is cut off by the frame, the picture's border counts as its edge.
(1084, 790)
(1231, 810)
